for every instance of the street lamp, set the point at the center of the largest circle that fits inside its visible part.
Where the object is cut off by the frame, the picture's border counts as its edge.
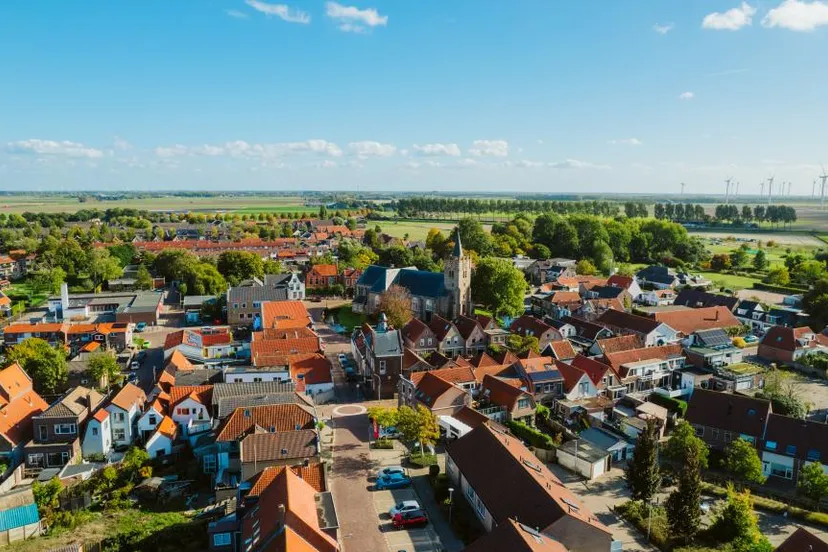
(451, 501)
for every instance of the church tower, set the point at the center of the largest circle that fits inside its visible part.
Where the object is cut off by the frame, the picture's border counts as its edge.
(457, 277)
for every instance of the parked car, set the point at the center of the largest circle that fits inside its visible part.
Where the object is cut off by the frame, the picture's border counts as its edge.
(134, 365)
(391, 470)
(404, 507)
(389, 432)
(140, 327)
(393, 481)
(405, 520)
(132, 377)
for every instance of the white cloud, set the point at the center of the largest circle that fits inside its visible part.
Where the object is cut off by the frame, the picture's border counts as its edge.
(575, 164)
(731, 20)
(490, 148)
(450, 150)
(523, 163)
(686, 96)
(540, 142)
(354, 20)
(797, 15)
(236, 14)
(65, 148)
(663, 29)
(372, 149)
(120, 144)
(282, 11)
(242, 149)
(466, 162)
(626, 142)
(326, 164)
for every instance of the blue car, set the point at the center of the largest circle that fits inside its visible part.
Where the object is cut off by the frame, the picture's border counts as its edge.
(393, 481)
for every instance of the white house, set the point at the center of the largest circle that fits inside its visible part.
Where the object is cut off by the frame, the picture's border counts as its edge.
(312, 375)
(160, 443)
(657, 297)
(124, 411)
(190, 408)
(252, 374)
(98, 436)
(150, 419)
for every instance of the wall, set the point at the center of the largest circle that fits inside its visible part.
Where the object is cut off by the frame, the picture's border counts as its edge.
(256, 375)
(159, 444)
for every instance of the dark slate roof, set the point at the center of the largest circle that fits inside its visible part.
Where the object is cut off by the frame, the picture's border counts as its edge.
(801, 541)
(654, 273)
(458, 248)
(422, 282)
(695, 298)
(256, 293)
(728, 411)
(200, 376)
(715, 337)
(276, 279)
(607, 292)
(372, 276)
(804, 440)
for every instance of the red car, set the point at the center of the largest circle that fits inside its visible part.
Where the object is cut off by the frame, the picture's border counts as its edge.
(416, 518)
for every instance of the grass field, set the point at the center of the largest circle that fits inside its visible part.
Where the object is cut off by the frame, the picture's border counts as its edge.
(241, 204)
(730, 280)
(417, 230)
(775, 254)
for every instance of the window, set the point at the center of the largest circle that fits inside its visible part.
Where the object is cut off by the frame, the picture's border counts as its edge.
(235, 305)
(209, 464)
(770, 445)
(183, 411)
(153, 420)
(65, 429)
(94, 432)
(728, 436)
(699, 431)
(714, 433)
(244, 305)
(119, 434)
(120, 417)
(256, 304)
(790, 449)
(813, 455)
(257, 380)
(382, 367)
(523, 403)
(221, 539)
(44, 433)
(430, 341)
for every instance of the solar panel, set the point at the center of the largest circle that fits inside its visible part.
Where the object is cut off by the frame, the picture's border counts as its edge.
(715, 338)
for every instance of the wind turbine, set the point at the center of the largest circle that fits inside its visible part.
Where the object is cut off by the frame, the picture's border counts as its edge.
(727, 190)
(813, 189)
(682, 188)
(761, 188)
(789, 188)
(824, 177)
(737, 187)
(770, 189)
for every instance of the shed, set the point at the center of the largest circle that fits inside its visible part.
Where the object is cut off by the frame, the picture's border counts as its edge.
(584, 458)
(616, 446)
(19, 518)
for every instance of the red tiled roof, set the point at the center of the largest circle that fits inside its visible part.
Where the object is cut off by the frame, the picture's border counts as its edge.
(440, 327)
(178, 361)
(167, 427)
(594, 369)
(621, 319)
(414, 330)
(4, 300)
(201, 393)
(502, 392)
(312, 369)
(483, 359)
(313, 474)
(562, 350)
(430, 388)
(128, 395)
(571, 374)
(617, 360)
(618, 280)
(526, 324)
(466, 325)
(620, 343)
(457, 375)
(560, 297)
(19, 403)
(787, 339)
(280, 417)
(499, 370)
(323, 270)
(802, 540)
(692, 320)
(32, 328)
(101, 415)
(283, 347)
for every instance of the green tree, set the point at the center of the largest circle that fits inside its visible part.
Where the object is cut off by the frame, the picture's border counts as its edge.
(682, 440)
(738, 257)
(103, 267)
(738, 525)
(437, 242)
(46, 497)
(134, 459)
(642, 473)
(271, 267)
(760, 260)
(498, 286)
(813, 481)
(49, 280)
(236, 266)
(720, 262)
(683, 505)
(815, 303)
(396, 304)
(778, 276)
(103, 366)
(46, 365)
(474, 237)
(520, 344)
(586, 268)
(808, 272)
(384, 416)
(742, 460)
(143, 279)
(418, 425)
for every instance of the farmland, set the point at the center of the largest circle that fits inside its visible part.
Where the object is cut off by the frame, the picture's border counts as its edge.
(242, 203)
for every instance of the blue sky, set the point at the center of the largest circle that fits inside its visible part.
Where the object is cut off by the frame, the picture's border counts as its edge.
(532, 95)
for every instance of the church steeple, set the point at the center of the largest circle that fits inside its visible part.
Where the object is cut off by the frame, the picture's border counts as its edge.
(458, 247)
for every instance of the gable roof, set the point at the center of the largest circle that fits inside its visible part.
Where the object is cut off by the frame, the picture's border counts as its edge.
(414, 329)
(14, 382)
(167, 427)
(279, 417)
(483, 359)
(440, 326)
(695, 298)
(485, 320)
(728, 411)
(594, 370)
(633, 322)
(706, 318)
(561, 350)
(466, 325)
(620, 343)
(78, 402)
(285, 315)
(470, 417)
(515, 537)
(808, 441)
(563, 297)
(455, 375)
(256, 293)
(279, 446)
(619, 360)
(524, 487)
(313, 474)
(501, 392)
(262, 350)
(431, 389)
(422, 282)
(623, 282)
(199, 393)
(791, 339)
(178, 361)
(129, 395)
(311, 369)
(584, 328)
(571, 374)
(801, 540)
(505, 356)
(18, 407)
(323, 270)
(529, 325)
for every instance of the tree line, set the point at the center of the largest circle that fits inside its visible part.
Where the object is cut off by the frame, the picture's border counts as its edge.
(428, 207)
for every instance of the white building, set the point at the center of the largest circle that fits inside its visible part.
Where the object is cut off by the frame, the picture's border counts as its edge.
(124, 411)
(160, 443)
(98, 436)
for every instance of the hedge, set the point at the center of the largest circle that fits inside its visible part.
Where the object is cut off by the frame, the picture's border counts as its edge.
(778, 289)
(773, 506)
(528, 433)
(671, 404)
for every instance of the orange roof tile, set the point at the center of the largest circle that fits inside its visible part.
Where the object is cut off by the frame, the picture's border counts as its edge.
(311, 370)
(4, 300)
(285, 315)
(323, 270)
(101, 415)
(200, 393)
(692, 320)
(178, 361)
(41, 328)
(279, 417)
(457, 375)
(562, 349)
(167, 427)
(313, 474)
(18, 405)
(91, 346)
(502, 392)
(128, 395)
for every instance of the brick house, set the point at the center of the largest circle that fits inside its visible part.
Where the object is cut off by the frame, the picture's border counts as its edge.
(19, 404)
(378, 353)
(321, 276)
(418, 337)
(783, 344)
(503, 400)
(57, 430)
(719, 418)
(790, 444)
(439, 395)
(527, 326)
(471, 332)
(449, 341)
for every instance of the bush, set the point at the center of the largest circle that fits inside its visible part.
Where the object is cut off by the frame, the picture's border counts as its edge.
(423, 460)
(787, 290)
(637, 513)
(385, 444)
(528, 433)
(433, 470)
(671, 404)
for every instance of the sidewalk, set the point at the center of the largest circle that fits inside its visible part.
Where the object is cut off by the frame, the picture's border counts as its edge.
(438, 522)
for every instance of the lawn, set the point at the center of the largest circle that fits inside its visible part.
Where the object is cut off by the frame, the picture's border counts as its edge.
(730, 280)
(347, 317)
(415, 230)
(25, 291)
(241, 204)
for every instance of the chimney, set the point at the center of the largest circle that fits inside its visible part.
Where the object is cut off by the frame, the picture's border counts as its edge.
(64, 299)
(717, 314)
(281, 516)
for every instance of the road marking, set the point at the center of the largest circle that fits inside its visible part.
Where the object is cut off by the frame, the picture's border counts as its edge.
(349, 410)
